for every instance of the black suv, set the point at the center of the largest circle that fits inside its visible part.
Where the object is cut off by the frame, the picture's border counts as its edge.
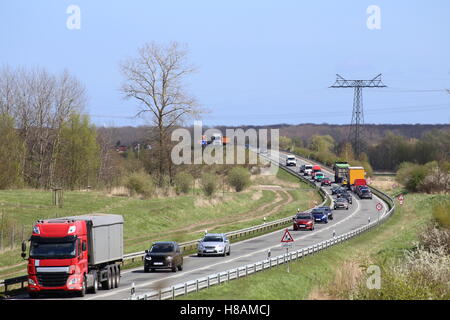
(163, 255)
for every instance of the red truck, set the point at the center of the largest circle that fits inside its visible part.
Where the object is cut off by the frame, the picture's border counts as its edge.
(358, 183)
(75, 254)
(315, 169)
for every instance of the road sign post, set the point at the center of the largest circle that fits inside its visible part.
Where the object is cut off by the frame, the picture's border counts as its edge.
(379, 207)
(401, 198)
(286, 242)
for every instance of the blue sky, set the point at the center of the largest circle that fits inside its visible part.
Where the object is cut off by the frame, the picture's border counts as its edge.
(259, 62)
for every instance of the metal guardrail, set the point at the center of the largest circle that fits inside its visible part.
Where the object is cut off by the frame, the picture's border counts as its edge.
(243, 271)
(192, 245)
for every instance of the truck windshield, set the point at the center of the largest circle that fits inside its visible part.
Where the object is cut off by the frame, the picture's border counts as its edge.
(63, 250)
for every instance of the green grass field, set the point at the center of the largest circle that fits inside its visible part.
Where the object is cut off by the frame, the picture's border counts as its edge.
(318, 272)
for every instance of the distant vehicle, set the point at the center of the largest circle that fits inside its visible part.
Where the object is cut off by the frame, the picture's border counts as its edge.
(226, 140)
(354, 173)
(325, 182)
(341, 203)
(302, 168)
(315, 169)
(319, 215)
(307, 170)
(214, 244)
(291, 161)
(340, 190)
(364, 193)
(359, 183)
(303, 221)
(328, 211)
(216, 139)
(319, 176)
(347, 196)
(163, 255)
(334, 189)
(340, 171)
(75, 254)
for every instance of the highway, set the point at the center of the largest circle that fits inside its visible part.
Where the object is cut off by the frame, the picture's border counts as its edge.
(244, 252)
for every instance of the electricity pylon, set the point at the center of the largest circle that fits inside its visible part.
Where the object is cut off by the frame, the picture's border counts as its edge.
(355, 132)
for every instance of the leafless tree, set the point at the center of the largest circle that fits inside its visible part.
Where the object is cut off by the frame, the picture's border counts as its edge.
(156, 79)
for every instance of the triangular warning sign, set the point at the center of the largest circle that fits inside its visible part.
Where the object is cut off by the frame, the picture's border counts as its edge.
(287, 237)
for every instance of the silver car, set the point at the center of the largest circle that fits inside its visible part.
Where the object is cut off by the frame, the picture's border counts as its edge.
(214, 244)
(341, 203)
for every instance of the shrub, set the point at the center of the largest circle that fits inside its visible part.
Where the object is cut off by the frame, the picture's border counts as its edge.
(239, 178)
(183, 182)
(208, 184)
(441, 213)
(140, 183)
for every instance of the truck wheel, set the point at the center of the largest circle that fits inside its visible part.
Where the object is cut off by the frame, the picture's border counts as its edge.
(180, 267)
(174, 269)
(94, 287)
(146, 270)
(113, 277)
(117, 276)
(106, 284)
(82, 292)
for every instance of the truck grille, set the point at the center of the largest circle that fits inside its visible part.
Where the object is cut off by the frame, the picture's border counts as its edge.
(52, 279)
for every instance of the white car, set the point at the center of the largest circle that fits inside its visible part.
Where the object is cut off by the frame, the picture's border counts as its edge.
(214, 244)
(291, 161)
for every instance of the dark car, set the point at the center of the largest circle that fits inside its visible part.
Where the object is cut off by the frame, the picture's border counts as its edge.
(334, 189)
(328, 211)
(302, 168)
(319, 215)
(163, 255)
(364, 193)
(340, 190)
(325, 182)
(347, 196)
(303, 221)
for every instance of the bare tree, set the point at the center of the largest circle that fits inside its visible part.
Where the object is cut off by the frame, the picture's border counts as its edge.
(156, 79)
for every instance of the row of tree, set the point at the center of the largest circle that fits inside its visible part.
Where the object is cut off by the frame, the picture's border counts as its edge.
(386, 155)
(46, 141)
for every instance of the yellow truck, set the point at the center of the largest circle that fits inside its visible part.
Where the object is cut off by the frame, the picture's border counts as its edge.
(353, 174)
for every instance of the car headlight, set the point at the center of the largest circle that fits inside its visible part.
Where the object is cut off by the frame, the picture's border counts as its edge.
(31, 282)
(148, 258)
(73, 281)
(169, 258)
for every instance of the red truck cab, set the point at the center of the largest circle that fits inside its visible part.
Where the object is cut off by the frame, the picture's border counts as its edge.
(315, 169)
(75, 254)
(58, 256)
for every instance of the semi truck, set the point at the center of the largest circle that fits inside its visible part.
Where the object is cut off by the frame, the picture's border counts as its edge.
(340, 171)
(354, 173)
(75, 254)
